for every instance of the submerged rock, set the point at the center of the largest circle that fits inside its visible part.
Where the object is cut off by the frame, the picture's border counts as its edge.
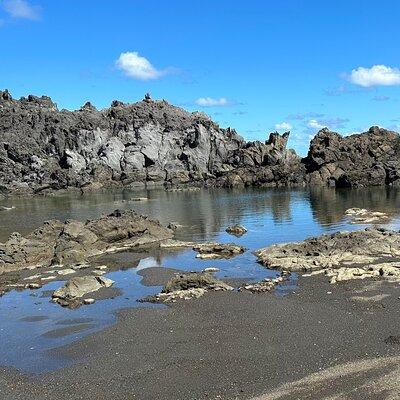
(236, 230)
(218, 250)
(342, 256)
(187, 286)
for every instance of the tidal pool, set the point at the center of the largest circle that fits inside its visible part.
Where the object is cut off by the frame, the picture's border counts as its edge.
(31, 325)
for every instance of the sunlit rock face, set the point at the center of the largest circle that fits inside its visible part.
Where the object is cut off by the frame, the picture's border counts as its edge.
(152, 143)
(149, 142)
(367, 159)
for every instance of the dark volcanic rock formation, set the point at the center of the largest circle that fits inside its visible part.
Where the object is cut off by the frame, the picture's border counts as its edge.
(152, 143)
(370, 158)
(148, 142)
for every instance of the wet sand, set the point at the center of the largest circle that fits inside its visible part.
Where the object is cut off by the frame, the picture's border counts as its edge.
(230, 345)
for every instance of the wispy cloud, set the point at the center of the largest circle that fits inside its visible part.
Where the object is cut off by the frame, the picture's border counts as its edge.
(331, 123)
(21, 9)
(381, 98)
(213, 102)
(240, 112)
(339, 91)
(283, 126)
(314, 124)
(303, 116)
(377, 75)
(137, 67)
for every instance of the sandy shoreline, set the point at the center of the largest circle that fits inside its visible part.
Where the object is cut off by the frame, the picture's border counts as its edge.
(234, 346)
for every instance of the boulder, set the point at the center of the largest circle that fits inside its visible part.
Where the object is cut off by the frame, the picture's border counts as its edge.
(236, 230)
(71, 293)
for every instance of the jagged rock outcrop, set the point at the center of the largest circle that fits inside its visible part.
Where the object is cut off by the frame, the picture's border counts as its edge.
(73, 242)
(151, 142)
(366, 159)
(154, 143)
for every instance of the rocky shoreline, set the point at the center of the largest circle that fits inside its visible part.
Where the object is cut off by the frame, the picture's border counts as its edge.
(153, 143)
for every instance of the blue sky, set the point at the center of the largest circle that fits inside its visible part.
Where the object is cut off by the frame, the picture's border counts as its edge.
(253, 65)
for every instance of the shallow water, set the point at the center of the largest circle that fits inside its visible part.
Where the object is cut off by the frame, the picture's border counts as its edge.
(31, 325)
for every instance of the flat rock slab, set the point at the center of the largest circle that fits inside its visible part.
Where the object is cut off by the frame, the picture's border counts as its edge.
(371, 251)
(218, 250)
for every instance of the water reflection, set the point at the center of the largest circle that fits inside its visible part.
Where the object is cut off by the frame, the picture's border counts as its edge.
(270, 215)
(329, 204)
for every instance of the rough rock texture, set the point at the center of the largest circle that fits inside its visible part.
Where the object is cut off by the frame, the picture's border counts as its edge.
(366, 159)
(236, 230)
(71, 293)
(266, 285)
(342, 255)
(218, 250)
(152, 142)
(188, 286)
(72, 242)
(364, 216)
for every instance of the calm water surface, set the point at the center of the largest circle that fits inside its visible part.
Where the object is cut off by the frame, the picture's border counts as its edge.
(30, 325)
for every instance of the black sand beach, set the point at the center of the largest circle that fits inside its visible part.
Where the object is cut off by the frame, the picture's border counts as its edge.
(230, 345)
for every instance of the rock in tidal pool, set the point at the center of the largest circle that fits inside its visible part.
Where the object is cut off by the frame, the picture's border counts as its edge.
(218, 250)
(187, 286)
(342, 256)
(72, 292)
(236, 230)
(364, 216)
(71, 243)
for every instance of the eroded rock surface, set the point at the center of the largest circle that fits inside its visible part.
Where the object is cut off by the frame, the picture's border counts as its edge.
(236, 230)
(364, 216)
(342, 255)
(218, 250)
(266, 285)
(72, 242)
(71, 293)
(366, 159)
(149, 142)
(188, 286)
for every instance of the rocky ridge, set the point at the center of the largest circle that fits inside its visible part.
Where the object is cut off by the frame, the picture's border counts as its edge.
(149, 142)
(152, 143)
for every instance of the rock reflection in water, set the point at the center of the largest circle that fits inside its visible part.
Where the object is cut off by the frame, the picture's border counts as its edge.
(329, 205)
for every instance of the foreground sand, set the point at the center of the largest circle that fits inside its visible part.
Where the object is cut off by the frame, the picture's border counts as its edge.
(320, 342)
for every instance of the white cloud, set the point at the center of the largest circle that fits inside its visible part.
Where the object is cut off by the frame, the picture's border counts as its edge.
(212, 102)
(378, 75)
(283, 126)
(21, 9)
(314, 124)
(138, 67)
